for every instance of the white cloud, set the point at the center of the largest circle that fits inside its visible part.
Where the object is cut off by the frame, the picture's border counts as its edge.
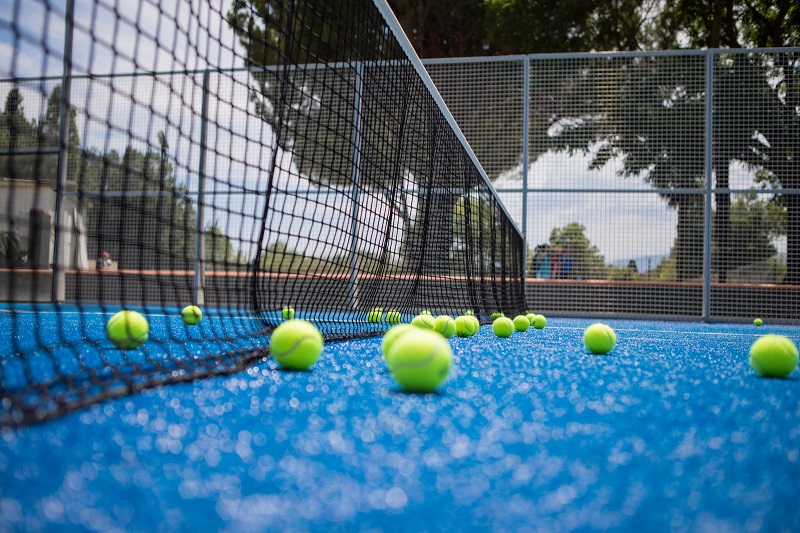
(621, 225)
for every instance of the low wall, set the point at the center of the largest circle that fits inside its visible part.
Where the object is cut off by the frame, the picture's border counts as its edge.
(451, 294)
(728, 301)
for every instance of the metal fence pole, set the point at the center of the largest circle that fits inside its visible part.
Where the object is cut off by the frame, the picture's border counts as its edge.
(65, 112)
(526, 95)
(709, 139)
(352, 295)
(200, 247)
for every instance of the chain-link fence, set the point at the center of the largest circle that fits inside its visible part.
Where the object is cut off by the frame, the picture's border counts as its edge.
(647, 184)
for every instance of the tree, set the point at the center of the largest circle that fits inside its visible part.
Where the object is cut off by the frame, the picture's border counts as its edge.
(767, 136)
(16, 133)
(588, 263)
(543, 26)
(311, 111)
(756, 223)
(19, 134)
(446, 28)
(658, 141)
(137, 211)
(308, 115)
(49, 133)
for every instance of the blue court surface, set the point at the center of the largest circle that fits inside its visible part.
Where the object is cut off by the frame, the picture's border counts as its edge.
(671, 431)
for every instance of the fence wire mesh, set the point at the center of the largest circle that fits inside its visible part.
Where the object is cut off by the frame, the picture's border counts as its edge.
(656, 184)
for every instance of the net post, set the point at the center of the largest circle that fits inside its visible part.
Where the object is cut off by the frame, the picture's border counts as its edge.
(709, 138)
(352, 296)
(60, 244)
(526, 95)
(198, 293)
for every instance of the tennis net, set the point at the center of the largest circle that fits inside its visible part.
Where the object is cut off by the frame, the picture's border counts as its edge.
(243, 156)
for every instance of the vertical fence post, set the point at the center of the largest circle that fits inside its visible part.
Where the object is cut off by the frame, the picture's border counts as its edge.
(709, 147)
(60, 256)
(526, 95)
(200, 247)
(352, 295)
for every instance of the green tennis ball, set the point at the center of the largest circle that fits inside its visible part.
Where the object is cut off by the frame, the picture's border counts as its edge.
(393, 316)
(445, 326)
(288, 313)
(599, 339)
(494, 316)
(758, 322)
(539, 321)
(296, 344)
(191, 315)
(423, 321)
(392, 335)
(521, 323)
(375, 315)
(425, 312)
(420, 360)
(503, 327)
(470, 312)
(531, 317)
(773, 356)
(128, 330)
(476, 325)
(464, 326)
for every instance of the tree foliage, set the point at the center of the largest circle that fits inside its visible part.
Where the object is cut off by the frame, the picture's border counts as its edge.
(18, 134)
(133, 206)
(588, 263)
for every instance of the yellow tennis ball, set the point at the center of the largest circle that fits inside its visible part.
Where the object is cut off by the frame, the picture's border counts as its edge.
(128, 330)
(445, 326)
(464, 326)
(476, 325)
(539, 321)
(423, 321)
(531, 317)
(425, 312)
(773, 356)
(391, 336)
(758, 322)
(599, 339)
(521, 323)
(393, 316)
(375, 315)
(191, 315)
(469, 312)
(494, 316)
(420, 360)
(295, 344)
(288, 313)
(503, 327)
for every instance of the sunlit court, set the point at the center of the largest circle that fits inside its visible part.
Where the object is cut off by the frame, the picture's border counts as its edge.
(311, 265)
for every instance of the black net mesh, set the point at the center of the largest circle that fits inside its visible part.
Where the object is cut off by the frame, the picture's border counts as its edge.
(244, 156)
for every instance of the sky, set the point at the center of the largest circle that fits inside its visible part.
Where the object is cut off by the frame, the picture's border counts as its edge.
(122, 37)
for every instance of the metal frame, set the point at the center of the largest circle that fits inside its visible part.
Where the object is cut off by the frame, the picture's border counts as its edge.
(59, 246)
(59, 251)
(353, 288)
(200, 246)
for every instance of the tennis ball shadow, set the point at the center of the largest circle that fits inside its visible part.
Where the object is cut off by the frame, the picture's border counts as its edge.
(775, 378)
(411, 393)
(292, 370)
